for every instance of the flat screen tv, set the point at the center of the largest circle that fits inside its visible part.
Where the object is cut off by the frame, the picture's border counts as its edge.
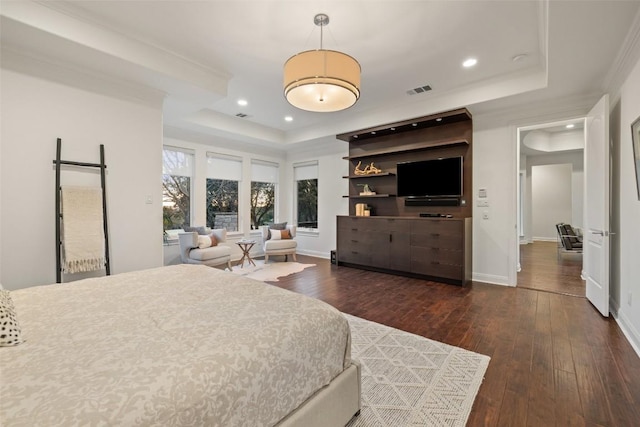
(430, 178)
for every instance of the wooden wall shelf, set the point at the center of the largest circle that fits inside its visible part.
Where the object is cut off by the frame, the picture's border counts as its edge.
(373, 175)
(418, 146)
(371, 196)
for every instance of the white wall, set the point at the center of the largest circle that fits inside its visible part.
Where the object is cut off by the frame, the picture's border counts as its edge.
(576, 159)
(494, 168)
(550, 199)
(625, 278)
(34, 112)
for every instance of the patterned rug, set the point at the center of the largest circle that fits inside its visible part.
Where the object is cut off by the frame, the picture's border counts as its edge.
(408, 380)
(271, 271)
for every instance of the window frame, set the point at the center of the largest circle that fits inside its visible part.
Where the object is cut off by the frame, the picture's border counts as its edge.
(306, 230)
(172, 233)
(276, 182)
(208, 175)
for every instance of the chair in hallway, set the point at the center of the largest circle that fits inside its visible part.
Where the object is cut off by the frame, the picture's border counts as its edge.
(568, 239)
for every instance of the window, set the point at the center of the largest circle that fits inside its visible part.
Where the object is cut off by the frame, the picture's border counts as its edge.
(177, 171)
(264, 179)
(306, 195)
(224, 174)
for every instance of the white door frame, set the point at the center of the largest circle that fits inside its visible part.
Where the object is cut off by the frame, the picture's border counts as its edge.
(514, 264)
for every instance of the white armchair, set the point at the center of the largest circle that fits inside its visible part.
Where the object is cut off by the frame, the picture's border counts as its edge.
(211, 256)
(284, 247)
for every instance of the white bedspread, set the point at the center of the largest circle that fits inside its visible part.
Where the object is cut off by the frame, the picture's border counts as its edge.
(180, 345)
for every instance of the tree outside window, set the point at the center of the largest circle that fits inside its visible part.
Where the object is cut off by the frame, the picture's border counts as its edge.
(263, 199)
(308, 203)
(176, 189)
(222, 204)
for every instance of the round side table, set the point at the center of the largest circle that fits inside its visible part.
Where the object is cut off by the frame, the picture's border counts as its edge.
(245, 246)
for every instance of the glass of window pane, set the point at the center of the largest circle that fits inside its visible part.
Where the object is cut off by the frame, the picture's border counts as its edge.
(222, 204)
(263, 199)
(308, 203)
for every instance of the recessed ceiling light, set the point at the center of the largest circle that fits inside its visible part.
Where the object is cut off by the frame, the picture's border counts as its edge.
(570, 126)
(470, 62)
(414, 124)
(373, 132)
(439, 119)
(392, 128)
(242, 102)
(288, 118)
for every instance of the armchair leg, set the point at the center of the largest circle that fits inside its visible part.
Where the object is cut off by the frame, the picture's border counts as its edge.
(229, 265)
(286, 258)
(266, 258)
(294, 256)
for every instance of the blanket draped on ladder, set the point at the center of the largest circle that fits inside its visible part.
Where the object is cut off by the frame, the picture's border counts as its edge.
(82, 229)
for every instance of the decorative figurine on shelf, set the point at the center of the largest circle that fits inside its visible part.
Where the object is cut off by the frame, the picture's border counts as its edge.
(358, 171)
(368, 170)
(366, 191)
(372, 169)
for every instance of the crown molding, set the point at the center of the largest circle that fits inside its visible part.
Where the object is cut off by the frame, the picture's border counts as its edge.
(51, 69)
(628, 56)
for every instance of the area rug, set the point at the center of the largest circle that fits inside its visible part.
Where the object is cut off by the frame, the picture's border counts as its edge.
(409, 380)
(271, 271)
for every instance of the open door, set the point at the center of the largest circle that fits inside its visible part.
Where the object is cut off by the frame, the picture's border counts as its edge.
(596, 221)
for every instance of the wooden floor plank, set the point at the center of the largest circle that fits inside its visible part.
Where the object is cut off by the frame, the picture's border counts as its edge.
(543, 370)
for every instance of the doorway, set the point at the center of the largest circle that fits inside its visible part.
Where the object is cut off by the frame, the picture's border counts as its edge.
(550, 192)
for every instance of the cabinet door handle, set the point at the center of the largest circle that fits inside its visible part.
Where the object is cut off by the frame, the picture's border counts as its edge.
(435, 234)
(435, 262)
(354, 252)
(435, 249)
(390, 238)
(354, 241)
(354, 229)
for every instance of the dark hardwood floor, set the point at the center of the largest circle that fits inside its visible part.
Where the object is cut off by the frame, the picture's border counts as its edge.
(543, 268)
(554, 360)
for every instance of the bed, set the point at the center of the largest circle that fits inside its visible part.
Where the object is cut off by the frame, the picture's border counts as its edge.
(179, 345)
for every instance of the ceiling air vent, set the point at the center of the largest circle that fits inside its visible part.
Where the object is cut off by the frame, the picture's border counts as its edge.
(418, 90)
(242, 115)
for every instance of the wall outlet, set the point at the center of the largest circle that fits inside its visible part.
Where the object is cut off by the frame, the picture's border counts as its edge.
(485, 215)
(483, 203)
(148, 200)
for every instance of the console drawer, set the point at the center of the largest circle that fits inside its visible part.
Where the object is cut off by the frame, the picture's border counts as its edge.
(436, 269)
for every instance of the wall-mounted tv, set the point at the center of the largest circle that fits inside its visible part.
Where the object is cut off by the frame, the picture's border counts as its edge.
(430, 178)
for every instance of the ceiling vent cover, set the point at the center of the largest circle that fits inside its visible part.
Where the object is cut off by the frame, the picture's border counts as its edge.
(242, 115)
(418, 90)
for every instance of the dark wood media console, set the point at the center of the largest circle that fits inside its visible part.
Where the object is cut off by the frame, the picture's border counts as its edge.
(395, 238)
(433, 248)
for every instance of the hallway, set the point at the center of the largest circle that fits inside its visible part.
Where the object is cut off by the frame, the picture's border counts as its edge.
(542, 269)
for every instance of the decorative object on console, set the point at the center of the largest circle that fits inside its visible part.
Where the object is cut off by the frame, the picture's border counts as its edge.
(366, 190)
(370, 169)
(309, 75)
(361, 208)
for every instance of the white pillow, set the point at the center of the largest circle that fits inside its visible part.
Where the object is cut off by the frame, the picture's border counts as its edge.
(276, 235)
(204, 241)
